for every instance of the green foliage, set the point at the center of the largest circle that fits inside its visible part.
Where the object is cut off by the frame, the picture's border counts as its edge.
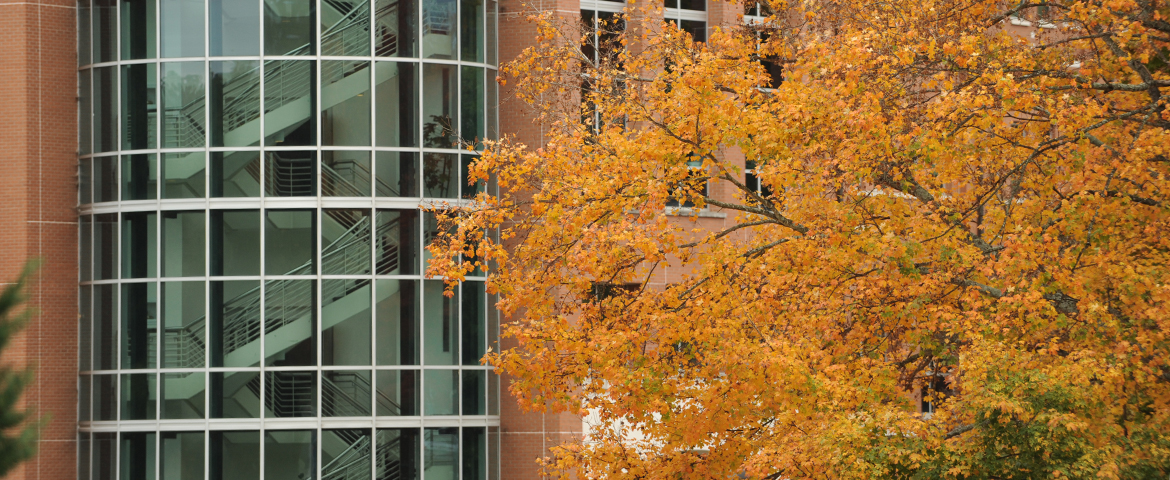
(17, 437)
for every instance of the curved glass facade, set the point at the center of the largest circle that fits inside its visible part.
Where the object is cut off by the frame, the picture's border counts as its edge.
(253, 303)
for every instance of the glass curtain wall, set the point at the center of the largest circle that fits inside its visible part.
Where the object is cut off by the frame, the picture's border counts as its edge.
(253, 181)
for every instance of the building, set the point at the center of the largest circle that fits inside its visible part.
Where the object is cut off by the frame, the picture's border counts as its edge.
(226, 195)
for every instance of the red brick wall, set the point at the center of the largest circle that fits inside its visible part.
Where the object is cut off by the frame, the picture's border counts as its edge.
(38, 184)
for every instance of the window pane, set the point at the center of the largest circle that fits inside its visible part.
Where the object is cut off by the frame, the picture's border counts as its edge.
(395, 34)
(85, 329)
(138, 105)
(442, 392)
(235, 455)
(288, 454)
(440, 327)
(139, 397)
(345, 29)
(235, 103)
(441, 451)
(290, 323)
(137, 456)
(396, 110)
(105, 398)
(474, 453)
(345, 173)
(105, 30)
(397, 317)
(289, 395)
(397, 249)
(288, 102)
(235, 324)
(139, 333)
(697, 29)
(105, 246)
(440, 175)
(84, 22)
(84, 396)
(438, 29)
(105, 332)
(105, 456)
(345, 102)
(85, 249)
(183, 175)
(85, 114)
(183, 395)
(138, 245)
(468, 189)
(397, 174)
(491, 106)
(345, 322)
(474, 384)
(289, 242)
(183, 104)
(235, 174)
(182, 456)
(474, 341)
(345, 236)
(182, 28)
(491, 32)
(439, 97)
(471, 130)
(398, 454)
(693, 4)
(234, 28)
(183, 325)
(105, 179)
(183, 244)
(350, 460)
(235, 242)
(290, 174)
(397, 393)
(139, 177)
(288, 27)
(235, 394)
(105, 109)
(471, 30)
(345, 393)
(138, 29)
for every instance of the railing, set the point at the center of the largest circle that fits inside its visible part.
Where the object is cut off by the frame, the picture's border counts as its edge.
(290, 176)
(339, 179)
(291, 394)
(436, 20)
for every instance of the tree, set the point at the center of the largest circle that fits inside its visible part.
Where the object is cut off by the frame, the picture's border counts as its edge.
(963, 198)
(18, 446)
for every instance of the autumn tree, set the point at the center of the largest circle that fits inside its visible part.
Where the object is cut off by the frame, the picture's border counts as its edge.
(950, 197)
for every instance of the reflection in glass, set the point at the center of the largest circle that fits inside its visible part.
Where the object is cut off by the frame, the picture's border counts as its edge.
(182, 104)
(183, 324)
(235, 174)
(84, 329)
(438, 29)
(471, 30)
(234, 327)
(345, 102)
(288, 102)
(396, 110)
(351, 459)
(474, 453)
(234, 28)
(137, 29)
(138, 245)
(234, 455)
(440, 327)
(183, 244)
(440, 175)
(105, 246)
(441, 388)
(105, 109)
(469, 190)
(137, 456)
(235, 242)
(345, 173)
(85, 115)
(290, 173)
(439, 111)
(139, 325)
(105, 332)
(290, 395)
(441, 453)
(397, 174)
(183, 395)
(345, 236)
(85, 248)
(289, 242)
(84, 396)
(105, 456)
(345, 322)
(474, 383)
(345, 28)
(290, 327)
(105, 179)
(235, 103)
(139, 177)
(288, 27)
(84, 21)
(472, 128)
(397, 250)
(182, 455)
(288, 454)
(105, 397)
(491, 31)
(397, 393)
(139, 397)
(395, 34)
(182, 28)
(397, 322)
(399, 447)
(183, 175)
(345, 393)
(474, 341)
(138, 105)
(491, 106)
(235, 395)
(105, 30)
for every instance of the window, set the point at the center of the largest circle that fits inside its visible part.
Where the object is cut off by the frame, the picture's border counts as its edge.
(694, 186)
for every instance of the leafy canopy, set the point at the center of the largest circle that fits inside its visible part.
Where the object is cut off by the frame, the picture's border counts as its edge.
(965, 196)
